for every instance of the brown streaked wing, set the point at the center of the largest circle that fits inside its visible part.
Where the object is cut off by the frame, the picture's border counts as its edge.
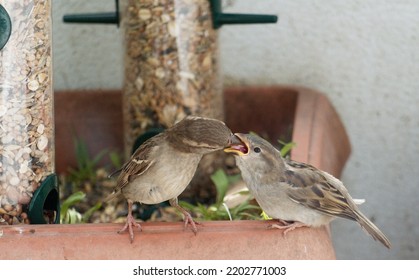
(301, 175)
(330, 202)
(139, 163)
(311, 188)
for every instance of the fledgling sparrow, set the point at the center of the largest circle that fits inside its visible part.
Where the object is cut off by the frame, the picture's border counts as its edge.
(162, 167)
(293, 191)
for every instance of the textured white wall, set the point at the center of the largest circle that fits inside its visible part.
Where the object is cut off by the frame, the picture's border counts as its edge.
(364, 54)
(86, 56)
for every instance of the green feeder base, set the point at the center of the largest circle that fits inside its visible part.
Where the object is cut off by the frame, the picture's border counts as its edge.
(44, 207)
(5, 27)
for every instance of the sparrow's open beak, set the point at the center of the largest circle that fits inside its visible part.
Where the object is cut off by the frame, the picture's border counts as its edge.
(239, 145)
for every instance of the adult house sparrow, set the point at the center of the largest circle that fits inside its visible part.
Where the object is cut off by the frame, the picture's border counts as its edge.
(162, 167)
(293, 191)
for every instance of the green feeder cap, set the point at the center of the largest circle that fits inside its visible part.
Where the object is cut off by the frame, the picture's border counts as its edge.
(5, 27)
(103, 18)
(45, 202)
(219, 18)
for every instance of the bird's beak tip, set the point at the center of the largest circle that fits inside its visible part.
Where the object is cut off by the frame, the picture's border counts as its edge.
(237, 145)
(234, 140)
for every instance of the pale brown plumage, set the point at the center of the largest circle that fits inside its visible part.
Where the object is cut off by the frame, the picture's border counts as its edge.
(293, 191)
(162, 167)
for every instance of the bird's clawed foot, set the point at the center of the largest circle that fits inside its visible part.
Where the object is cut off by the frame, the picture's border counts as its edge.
(287, 226)
(187, 218)
(130, 223)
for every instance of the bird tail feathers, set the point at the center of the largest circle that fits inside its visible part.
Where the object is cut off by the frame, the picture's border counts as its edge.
(372, 229)
(359, 201)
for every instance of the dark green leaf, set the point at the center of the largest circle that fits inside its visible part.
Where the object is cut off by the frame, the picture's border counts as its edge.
(86, 216)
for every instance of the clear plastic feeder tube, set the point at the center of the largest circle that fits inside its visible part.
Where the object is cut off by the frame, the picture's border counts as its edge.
(26, 107)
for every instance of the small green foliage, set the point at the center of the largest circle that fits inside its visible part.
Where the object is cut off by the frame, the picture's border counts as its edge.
(86, 166)
(286, 147)
(265, 216)
(222, 182)
(213, 213)
(86, 216)
(70, 201)
(219, 210)
(71, 215)
(82, 182)
(116, 159)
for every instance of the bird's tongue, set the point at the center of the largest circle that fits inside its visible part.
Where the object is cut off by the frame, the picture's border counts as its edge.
(240, 147)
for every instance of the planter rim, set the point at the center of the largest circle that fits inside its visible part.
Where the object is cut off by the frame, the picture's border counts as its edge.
(247, 239)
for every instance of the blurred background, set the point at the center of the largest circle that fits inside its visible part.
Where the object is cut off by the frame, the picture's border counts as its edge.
(363, 54)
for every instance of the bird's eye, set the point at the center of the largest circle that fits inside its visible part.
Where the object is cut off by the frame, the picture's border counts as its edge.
(256, 150)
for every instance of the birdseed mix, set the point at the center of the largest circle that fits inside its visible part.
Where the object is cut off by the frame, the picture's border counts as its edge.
(26, 107)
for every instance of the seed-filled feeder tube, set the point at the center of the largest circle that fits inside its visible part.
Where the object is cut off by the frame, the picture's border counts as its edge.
(28, 186)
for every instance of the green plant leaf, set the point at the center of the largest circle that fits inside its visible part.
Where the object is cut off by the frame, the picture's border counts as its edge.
(72, 217)
(116, 159)
(221, 182)
(187, 205)
(265, 216)
(86, 216)
(204, 211)
(233, 178)
(86, 167)
(96, 159)
(243, 207)
(70, 201)
(286, 147)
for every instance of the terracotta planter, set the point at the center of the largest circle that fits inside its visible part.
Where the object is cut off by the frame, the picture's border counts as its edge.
(278, 111)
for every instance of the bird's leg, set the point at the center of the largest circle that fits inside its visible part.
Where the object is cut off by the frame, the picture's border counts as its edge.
(130, 222)
(287, 226)
(187, 217)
